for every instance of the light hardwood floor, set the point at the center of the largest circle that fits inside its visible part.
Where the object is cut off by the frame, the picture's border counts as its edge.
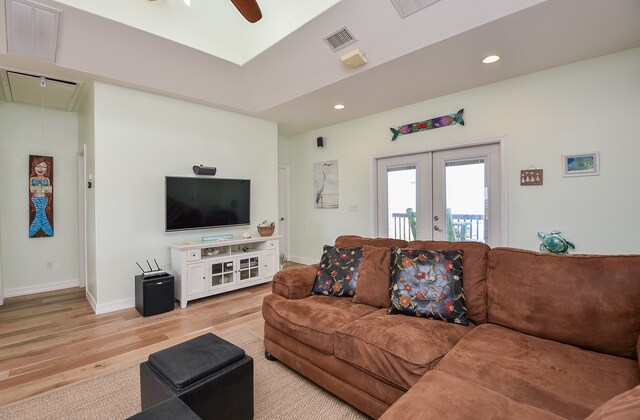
(52, 339)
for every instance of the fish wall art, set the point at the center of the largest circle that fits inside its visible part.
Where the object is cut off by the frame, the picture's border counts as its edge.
(437, 122)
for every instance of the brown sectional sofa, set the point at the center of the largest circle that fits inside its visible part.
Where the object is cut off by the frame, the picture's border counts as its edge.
(549, 337)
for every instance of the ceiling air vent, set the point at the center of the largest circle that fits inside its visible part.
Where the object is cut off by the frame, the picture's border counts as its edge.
(38, 90)
(407, 7)
(339, 39)
(32, 29)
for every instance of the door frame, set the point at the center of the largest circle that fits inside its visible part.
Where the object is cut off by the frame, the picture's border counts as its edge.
(286, 238)
(502, 141)
(1, 287)
(82, 217)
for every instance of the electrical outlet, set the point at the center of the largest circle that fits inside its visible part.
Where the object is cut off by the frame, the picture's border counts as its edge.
(353, 207)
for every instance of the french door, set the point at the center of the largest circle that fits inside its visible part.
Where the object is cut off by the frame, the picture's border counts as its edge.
(451, 195)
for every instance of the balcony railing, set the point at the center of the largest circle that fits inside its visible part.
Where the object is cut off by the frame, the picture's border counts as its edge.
(402, 227)
(468, 227)
(465, 227)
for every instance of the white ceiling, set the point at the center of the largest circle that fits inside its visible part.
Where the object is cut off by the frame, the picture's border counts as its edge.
(213, 27)
(296, 81)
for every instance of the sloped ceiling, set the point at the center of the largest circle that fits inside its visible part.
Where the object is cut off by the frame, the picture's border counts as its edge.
(296, 82)
(213, 27)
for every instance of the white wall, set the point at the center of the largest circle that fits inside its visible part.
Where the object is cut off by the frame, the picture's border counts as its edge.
(283, 151)
(24, 259)
(583, 107)
(139, 139)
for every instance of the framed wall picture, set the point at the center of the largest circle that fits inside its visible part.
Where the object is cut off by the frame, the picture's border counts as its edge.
(40, 196)
(325, 184)
(583, 164)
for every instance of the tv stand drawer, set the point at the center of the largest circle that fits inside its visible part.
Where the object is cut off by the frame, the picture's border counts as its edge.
(193, 255)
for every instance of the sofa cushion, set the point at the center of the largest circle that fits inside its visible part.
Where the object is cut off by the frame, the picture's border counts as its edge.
(428, 283)
(354, 241)
(332, 373)
(397, 349)
(555, 377)
(624, 406)
(589, 301)
(312, 320)
(474, 262)
(373, 280)
(338, 272)
(438, 395)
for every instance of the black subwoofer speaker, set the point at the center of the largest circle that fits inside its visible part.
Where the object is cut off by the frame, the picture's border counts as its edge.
(154, 295)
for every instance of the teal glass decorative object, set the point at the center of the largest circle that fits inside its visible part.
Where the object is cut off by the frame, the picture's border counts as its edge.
(555, 243)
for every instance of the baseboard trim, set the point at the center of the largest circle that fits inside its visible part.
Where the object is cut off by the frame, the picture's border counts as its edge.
(39, 288)
(116, 305)
(92, 301)
(302, 260)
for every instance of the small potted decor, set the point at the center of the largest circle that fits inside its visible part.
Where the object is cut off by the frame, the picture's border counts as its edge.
(266, 229)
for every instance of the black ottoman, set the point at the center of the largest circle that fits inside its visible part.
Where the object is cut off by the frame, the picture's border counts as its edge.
(171, 409)
(213, 377)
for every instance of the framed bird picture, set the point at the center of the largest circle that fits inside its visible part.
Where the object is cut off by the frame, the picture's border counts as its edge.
(325, 184)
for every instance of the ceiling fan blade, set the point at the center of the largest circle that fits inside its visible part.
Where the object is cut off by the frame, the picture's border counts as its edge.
(249, 9)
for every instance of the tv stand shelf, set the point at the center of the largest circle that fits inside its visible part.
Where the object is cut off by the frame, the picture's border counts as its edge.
(208, 268)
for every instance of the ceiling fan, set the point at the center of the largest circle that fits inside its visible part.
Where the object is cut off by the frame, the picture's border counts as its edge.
(249, 9)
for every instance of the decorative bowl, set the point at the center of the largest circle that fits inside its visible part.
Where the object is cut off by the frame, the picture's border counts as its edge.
(266, 230)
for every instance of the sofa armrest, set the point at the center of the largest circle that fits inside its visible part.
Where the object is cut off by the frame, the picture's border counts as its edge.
(294, 283)
(620, 407)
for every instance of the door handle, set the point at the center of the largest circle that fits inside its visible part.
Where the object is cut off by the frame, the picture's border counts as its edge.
(436, 227)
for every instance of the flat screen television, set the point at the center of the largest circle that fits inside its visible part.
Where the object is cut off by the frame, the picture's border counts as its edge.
(202, 203)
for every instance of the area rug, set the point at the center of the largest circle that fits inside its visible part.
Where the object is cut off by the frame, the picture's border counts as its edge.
(279, 393)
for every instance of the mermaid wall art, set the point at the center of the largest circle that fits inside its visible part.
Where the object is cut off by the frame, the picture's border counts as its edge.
(40, 196)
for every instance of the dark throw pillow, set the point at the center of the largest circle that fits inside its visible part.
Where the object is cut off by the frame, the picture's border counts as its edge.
(428, 283)
(338, 272)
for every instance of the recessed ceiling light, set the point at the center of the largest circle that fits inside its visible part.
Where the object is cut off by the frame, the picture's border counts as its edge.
(338, 106)
(491, 59)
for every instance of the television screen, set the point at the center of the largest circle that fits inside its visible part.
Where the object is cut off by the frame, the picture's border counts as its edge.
(200, 203)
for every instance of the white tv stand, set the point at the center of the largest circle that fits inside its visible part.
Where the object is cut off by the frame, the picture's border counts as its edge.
(208, 268)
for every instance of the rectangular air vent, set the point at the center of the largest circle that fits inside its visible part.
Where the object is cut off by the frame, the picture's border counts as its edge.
(39, 90)
(32, 29)
(407, 7)
(339, 39)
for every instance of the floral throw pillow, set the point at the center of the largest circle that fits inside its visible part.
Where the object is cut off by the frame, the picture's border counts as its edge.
(338, 271)
(428, 283)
